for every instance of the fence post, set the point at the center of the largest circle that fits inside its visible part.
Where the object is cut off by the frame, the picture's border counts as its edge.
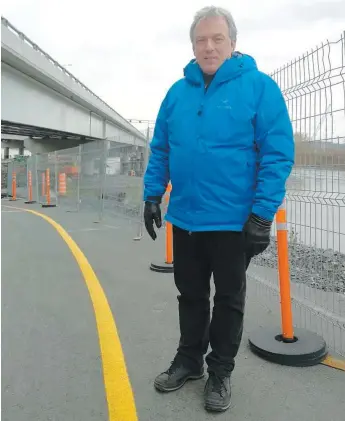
(168, 265)
(299, 348)
(103, 174)
(79, 159)
(139, 235)
(56, 178)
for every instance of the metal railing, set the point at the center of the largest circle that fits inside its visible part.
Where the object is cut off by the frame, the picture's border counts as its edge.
(314, 88)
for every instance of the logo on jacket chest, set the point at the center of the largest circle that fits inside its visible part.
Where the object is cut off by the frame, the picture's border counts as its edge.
(224, 104)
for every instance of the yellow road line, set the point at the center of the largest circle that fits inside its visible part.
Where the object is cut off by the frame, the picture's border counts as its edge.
(333, 362)
(120, 399)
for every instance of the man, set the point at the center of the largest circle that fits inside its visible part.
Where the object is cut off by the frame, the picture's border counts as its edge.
(223, 138)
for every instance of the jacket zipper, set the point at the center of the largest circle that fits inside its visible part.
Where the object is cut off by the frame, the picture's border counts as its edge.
(200, 112)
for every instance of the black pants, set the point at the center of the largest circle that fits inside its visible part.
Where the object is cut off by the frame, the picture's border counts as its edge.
(196, 257)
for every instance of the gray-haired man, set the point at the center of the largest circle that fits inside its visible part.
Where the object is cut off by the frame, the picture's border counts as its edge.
(224, 138)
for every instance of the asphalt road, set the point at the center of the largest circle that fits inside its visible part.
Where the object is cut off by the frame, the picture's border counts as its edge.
(51, 364)
(51, 358)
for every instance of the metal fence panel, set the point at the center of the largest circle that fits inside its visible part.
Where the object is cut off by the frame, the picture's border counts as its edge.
(91, 176)
(32, 170)
(122, 194)
(10, 167)
(67, 173)
(46, 162)
(314, 89)
(4, 178)
(19, 167)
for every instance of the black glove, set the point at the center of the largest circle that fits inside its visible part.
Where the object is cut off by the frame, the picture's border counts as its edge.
(152, 212)
(256, 235)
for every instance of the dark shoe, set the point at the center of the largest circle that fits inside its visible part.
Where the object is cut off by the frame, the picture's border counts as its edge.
(217, 393)
(176, 376)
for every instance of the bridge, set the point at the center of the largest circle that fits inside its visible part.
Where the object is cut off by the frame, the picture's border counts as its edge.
(47, 108)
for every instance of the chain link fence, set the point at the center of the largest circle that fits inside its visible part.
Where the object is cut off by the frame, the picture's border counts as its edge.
(314, 89)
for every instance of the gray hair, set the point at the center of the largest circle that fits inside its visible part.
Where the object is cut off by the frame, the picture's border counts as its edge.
(212, 11)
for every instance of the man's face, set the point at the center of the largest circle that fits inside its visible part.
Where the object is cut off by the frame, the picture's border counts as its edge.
(212, 44)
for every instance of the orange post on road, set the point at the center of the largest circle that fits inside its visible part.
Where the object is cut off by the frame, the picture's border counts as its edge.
(287, 345)
(29, 186)
(14, 186)
(29, 201)
(47, 177)
(167, 266)
(284, 274)
(48, 185)
(168, 233)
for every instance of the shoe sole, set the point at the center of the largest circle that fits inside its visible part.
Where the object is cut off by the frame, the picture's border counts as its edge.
(213, 408)
(161, 388)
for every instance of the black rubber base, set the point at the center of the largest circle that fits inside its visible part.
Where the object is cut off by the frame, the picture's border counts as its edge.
(48, 206)
(308, 348)
(162, 267)
(29, 202)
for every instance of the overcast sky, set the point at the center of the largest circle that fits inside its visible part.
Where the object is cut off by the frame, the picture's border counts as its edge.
(130, 52)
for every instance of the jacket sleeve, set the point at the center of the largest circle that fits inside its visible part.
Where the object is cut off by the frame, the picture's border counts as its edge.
(157, 174)
(275, 141)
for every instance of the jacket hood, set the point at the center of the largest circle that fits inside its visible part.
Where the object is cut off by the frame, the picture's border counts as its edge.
(233, 67)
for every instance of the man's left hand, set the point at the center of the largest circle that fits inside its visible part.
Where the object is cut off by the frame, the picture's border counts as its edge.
(256, 234)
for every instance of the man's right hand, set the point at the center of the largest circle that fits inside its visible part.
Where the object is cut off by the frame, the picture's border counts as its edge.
(152, 212)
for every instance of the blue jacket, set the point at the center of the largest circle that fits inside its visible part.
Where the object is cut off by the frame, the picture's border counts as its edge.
(227, 151)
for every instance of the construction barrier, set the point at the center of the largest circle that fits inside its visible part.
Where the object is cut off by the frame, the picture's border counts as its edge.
(287, 346)
(62, 184)
(29, 182)
(167, 266)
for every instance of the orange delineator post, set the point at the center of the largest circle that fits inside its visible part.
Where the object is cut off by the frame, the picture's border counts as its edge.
(167, 266)
(29, 186)
(291, 347)
(14, 186)
(284, 274)
(48, 185)
(30, 201)
(168, 233)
